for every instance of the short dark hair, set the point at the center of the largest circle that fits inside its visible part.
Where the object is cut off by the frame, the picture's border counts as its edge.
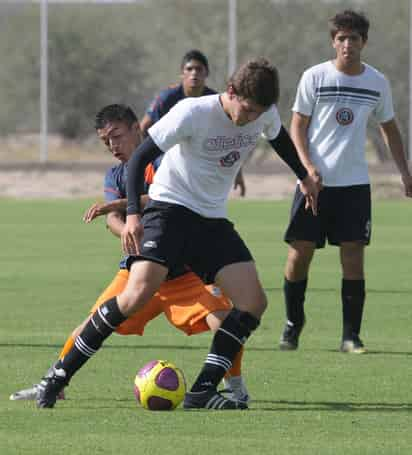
(195, 54)
(115, 113)
(258, 81)
(349, 20)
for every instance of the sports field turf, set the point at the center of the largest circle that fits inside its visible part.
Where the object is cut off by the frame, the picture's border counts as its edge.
(314, 401)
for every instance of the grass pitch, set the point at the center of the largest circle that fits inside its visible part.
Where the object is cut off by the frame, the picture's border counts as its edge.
(313, 401)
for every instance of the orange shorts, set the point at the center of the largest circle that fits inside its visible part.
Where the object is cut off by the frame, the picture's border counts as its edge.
(185, 301)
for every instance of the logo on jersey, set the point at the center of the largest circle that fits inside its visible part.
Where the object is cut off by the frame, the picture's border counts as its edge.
(230, 159)
(344, 116)
(215, 144)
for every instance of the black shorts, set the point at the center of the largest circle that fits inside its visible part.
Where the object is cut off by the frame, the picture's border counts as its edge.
(344, 215)
(175, 236)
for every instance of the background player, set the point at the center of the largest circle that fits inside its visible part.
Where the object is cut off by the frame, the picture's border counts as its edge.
(194, 72)
(333, 102)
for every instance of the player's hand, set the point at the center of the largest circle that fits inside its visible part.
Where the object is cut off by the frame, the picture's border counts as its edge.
(131, 235)
(407, 183)
(93, 212)
(310, 190)
(240, 183)
(315, 174)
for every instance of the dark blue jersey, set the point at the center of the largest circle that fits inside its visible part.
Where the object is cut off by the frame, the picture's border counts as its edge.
(115, 182)
(167, 98)
(115, 185)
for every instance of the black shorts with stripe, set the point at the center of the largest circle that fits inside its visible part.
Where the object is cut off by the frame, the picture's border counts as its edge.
(175, 237)
(344, 215)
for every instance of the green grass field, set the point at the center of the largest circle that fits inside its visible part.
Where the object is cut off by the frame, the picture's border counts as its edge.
(314, 401)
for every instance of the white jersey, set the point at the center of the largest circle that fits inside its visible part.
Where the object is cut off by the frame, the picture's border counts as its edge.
(339, 106)
(205, 151)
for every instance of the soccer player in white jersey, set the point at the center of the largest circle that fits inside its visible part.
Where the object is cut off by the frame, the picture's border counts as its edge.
(333, 102)
(205, 141)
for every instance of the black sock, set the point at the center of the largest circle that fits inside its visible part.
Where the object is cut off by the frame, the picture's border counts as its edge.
(294, 292)
(353, 299)
(228, 340)
(101, 325)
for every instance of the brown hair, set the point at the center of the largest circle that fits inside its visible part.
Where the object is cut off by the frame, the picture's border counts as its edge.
(256, 80)
(349, 20)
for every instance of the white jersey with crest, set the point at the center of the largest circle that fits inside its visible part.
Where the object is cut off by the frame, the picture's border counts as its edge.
(339, 106)
(204, 152)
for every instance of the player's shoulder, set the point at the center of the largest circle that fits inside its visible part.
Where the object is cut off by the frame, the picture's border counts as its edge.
(371, 71)
(199, 103)
(271, 115)
(171, 91)
(115, 170)
(209, 91)
(319, 68)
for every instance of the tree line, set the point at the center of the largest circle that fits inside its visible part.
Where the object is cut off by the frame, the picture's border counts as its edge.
(100, 54)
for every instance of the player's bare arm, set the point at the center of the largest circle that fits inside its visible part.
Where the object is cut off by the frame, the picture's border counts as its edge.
(392, 137)
(115, 222)
(299, 134)
(131, 234)
(103, 208)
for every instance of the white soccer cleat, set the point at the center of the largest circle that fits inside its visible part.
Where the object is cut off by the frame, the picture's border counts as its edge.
(354, 346)
(236, 389)
(31, 393)
(25, 394)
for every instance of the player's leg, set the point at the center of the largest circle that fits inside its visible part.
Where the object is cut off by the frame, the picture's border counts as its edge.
(240, 283)
(194, 308)
(116, 286)
(352, 233)
(353, 296)
(233, 382)
(32, 393)
(304, 233)
(233, 378)
(144, 280)
(300, 254)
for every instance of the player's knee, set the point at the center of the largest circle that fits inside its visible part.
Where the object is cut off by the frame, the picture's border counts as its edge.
(298, 261)
(133, 299)
(259, 305)
(214, 320)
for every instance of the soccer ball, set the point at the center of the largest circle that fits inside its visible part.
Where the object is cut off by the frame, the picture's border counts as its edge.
(159, 386)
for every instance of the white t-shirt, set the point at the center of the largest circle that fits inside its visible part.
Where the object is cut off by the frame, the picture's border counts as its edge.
(205, 150)
(339, 106)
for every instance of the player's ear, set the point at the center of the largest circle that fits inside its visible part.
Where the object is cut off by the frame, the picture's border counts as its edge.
(231, 91)
(137, 130)
(136, 127)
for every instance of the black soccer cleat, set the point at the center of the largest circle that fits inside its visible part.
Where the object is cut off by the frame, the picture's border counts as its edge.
(50, 387)
(211, 399)
(289, 341)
